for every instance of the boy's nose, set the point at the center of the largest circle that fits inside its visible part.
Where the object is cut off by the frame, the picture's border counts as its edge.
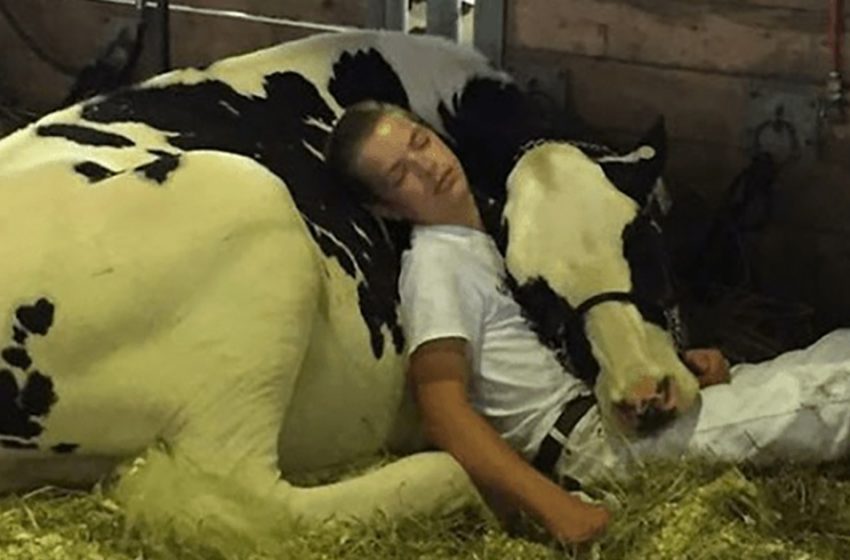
(426, 165)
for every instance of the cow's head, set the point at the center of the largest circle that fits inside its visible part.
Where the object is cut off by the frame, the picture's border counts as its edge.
(583, 249)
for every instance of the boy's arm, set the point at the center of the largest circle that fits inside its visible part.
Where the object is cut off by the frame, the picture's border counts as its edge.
(709, 365)
(438, 372)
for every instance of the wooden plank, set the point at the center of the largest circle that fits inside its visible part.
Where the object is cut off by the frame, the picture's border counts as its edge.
(627, 96)
(444, 18)
(801, 5)
(735, 38)
(489, 28)
(698, 106)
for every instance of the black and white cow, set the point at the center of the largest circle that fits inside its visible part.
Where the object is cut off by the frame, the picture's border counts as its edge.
(184, 283)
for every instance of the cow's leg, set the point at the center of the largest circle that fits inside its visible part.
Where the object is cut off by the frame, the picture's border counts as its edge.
(425, 483)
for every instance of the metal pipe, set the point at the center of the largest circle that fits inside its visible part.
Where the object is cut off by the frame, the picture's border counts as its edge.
(164, 25)
(444, 18)
(235, 14)
(396, 15)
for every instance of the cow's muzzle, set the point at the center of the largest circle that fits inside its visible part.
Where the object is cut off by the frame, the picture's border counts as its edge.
(654, 404)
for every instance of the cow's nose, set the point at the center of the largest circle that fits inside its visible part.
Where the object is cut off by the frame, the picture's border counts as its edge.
(652, 405)
(648, 390)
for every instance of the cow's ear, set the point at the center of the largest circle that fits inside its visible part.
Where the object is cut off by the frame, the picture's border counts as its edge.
(636, 173)
(656, 138)
(651, 168)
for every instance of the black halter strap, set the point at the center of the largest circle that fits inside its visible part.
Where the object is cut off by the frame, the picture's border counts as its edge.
(591, 302)
(671, 313)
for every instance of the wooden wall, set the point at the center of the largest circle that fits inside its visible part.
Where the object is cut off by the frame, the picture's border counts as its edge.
(73, 31)
(707, 66)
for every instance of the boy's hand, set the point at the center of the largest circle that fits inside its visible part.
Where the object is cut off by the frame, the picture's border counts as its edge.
(578, 522)
(709, 364)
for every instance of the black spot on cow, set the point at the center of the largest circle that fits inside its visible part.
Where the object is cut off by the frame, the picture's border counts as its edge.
(94, 172)
(64, 448)
(17, 357)
(283, 130)
(558, 327)
(19, 406)
(651, 274)
(84, 135)
(8, 384)
(488, 123)
(14, 444)
(19, 335)
(36, 318)
(161, 153)
(14, 421)
(366, 75)
(38, 395)
(159, 169)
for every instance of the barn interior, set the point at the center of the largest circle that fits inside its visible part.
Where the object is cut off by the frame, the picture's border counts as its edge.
(754, 94)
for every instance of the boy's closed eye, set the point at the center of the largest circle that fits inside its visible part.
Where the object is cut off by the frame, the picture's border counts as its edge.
(419, 138)
(397, 174)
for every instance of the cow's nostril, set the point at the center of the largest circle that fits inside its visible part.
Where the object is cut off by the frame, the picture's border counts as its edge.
(663, 387)
(653, 419)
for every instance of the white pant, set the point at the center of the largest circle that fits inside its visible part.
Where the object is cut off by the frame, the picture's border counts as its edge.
(794, 408)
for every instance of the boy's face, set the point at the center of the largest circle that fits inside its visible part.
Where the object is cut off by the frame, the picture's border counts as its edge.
(414, 175)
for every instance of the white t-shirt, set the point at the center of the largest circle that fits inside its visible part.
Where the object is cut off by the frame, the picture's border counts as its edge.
(452, 285)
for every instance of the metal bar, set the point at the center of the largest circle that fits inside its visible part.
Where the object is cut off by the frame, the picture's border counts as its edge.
(489, 26)
(376, 14)
(164, 28)
(234, 14)
(444, 18)
(396, 16)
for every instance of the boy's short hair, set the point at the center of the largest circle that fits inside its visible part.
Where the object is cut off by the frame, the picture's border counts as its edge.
(344, 143)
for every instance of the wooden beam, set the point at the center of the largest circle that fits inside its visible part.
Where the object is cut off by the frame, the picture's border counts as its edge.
(731, 38)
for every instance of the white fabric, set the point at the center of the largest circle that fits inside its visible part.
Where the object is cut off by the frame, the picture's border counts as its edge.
(451, 285)
(794, 408)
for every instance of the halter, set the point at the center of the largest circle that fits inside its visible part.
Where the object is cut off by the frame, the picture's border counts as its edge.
(672, 316)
